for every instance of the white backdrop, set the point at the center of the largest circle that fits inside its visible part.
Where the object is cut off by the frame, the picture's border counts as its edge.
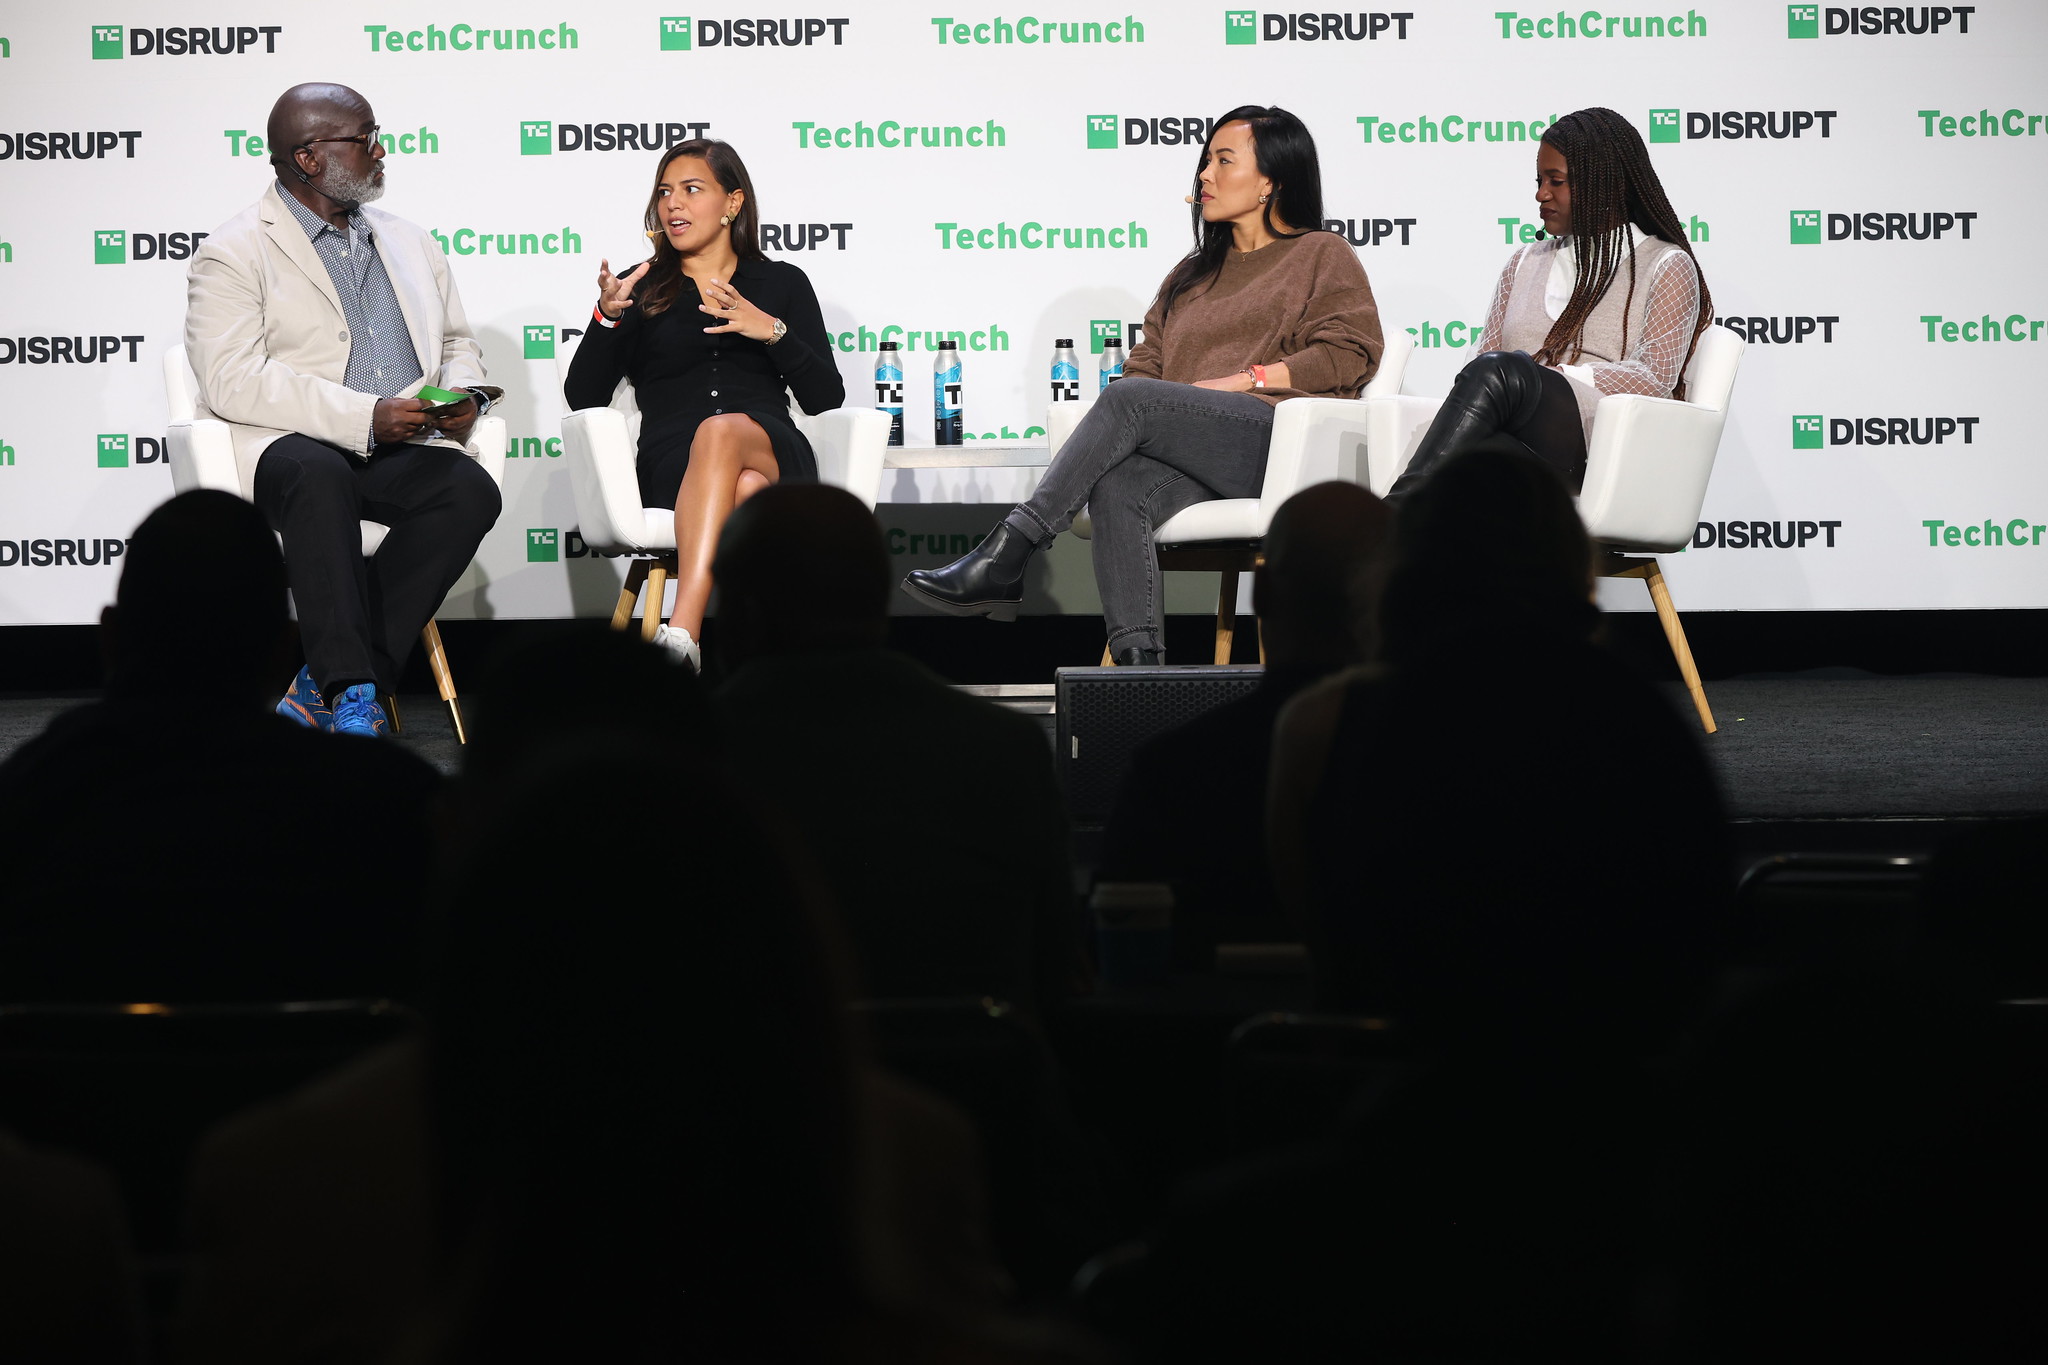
(1072, 123)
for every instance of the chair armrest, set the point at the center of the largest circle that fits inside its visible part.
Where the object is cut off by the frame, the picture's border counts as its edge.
(1314, 441)
(1393, 370)
(1394, 428)
(603, 481)
(1647, 468)
(1061, 419)
(489, 441)
(201, 451)
(850, 444)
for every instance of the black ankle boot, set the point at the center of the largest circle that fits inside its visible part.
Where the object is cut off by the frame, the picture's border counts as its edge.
(1137, 656)
(986, 581)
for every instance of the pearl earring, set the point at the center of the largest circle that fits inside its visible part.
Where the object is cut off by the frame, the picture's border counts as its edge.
(725, 220)
(1263, 198)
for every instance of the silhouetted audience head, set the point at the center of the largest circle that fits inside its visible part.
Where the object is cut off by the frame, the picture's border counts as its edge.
(201, 604)
(1314, 590)
(800, 567)
(1492, 542)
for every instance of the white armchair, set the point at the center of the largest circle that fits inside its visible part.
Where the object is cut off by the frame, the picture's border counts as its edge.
(602, 446)
(1314, 441)
(201, 451)
(1647, 467)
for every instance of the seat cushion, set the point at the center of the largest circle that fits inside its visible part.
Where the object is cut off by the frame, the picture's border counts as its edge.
(373, 536)
(1222, 519)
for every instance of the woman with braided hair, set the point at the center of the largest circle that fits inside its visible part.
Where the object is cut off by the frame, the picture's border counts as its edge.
(1611, 301)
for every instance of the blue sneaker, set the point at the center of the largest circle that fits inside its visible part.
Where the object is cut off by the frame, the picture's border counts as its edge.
(356, 712)
(303, 704)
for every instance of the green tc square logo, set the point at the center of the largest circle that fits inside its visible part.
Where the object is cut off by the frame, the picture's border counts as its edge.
(110, 247)
(543, 545)
(1099, 330)
(675, 35)
(113, 452)
(1806, 433)
(536, 138)
(1240, 26)
(1101, 132)
(106, 42)
(1663, 125)
(1802, 21)
(1806, 227)
(540, 342)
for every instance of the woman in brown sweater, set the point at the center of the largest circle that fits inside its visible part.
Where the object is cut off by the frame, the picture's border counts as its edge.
(1267, 306)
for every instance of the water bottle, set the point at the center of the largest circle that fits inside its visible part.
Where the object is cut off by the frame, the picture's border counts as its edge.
(889, 388)
(946, 407)
(1066, 372)
(1112, 361)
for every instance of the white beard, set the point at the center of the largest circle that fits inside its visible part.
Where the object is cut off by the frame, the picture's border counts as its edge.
(344, 188)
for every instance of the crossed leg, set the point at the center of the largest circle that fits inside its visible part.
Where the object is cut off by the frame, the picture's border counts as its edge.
(731, 459)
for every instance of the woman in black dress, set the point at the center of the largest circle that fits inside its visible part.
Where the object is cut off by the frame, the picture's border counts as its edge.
(714, 401)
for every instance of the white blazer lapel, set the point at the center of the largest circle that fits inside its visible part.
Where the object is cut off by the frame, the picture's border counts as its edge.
(286, 234)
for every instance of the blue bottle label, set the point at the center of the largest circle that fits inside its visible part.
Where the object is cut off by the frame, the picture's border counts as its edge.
(1066, 383)
(1110, 372)
(889, 398)
(946, 424)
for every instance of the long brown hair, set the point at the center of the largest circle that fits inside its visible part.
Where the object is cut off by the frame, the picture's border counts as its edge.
(1286, 155)
(665, 279)
(1615, 192)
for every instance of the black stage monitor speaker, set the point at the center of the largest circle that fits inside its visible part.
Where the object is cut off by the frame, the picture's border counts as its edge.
(1106, 713)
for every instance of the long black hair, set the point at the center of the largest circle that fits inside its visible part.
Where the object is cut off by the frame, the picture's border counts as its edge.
(1286, 155)
(665, 280)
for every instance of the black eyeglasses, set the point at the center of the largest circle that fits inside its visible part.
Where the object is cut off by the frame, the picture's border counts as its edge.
(365, 139)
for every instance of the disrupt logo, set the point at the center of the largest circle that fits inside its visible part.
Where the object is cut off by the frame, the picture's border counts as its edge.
(1805, 21)
(1029, 30)
(540, 341)
(466, 38)
(2013, 327)
(1249, 26)
(1368, 231)
(60, 553)
(676, 33)
(2020, 531)
(1453, 128)
(180, 42)
(1038, 237)
(93, 146)
(544, 137)
(1102, 329)
(1106, 132)
(1877, 227)
(470, 242)
(1809, 430)
(1763, 535)
(1738, 124)
(1785, 331)
(1593, 24)
(989, 338)
(1984, 123)
(803, 236)
(87, 350)
(110, 246)
(543, 545)
(114, 449)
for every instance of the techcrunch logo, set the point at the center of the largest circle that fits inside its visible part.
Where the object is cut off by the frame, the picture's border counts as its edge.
(2020, 531)
(1102, 329)
(1028, 30)
(110, 246)
(990, 338)
(1454, 335)
(180, 42)
(1513, 230)
(1368, 231)
(678, 32)
(1813, 431)
(1795, 329)
(1593, 24)
(1106, 132)
(114, 449)
(1738, 124)
(466, 38)
(1037, 237)
(241, 142)
(544, 137)
(1763, 535)
(543, 545)
(6, 453)
(1804, 21)
(803, 236)
(905, 135)
(93, 146)
(1242, 26)
(533, 448)
(1984, 123)
(470, 242)
(2014, 327)
(61, 553)
(540, 340)
(1877, 227)
(74, 350)
(1452, 128)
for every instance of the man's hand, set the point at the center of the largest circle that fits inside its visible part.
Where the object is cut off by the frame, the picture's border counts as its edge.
(461, 417)
(401, 419)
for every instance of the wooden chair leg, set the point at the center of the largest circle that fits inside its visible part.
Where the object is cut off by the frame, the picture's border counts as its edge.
(657, 591)
(391, 713)
(444, 677)
(1675, 633)
(1107, 662)
(1259, 627)
(1226, 614)
(636, 574)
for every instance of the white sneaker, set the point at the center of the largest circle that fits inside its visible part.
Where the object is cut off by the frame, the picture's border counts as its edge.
(685, 649)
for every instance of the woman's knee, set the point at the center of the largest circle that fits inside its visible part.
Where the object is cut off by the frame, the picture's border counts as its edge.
(724, 433)
(1498, 367)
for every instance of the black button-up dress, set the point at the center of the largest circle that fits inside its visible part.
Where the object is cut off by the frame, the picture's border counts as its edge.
(682, 374)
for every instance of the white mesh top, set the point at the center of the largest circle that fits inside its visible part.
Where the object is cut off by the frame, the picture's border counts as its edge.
(1637, 349)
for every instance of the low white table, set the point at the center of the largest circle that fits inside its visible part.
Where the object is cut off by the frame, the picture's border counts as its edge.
(973, 455)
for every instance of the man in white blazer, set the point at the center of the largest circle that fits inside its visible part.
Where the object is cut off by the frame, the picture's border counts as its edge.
(311, 321)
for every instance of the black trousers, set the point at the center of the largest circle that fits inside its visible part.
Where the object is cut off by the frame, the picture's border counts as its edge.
(1503, 393)
(359, 618)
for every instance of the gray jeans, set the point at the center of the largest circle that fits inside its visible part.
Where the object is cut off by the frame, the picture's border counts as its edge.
(1147, 450)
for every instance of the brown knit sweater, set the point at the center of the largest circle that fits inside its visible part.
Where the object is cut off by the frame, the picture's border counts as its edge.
(1302, 300)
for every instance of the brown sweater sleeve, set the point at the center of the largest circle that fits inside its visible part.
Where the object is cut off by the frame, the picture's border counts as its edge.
(1142, 361)
(1337, 345)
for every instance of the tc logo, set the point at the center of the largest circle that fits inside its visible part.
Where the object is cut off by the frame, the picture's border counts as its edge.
(543, 545)
(1806, 432)
(1101, 132)
(1806, 227)
(540, 342)
(675, 35)
(1802, 21)
(110, 247)
(106, 42)
(537, 138)
(1102, 329)
(1240, 26)
(1663, 125)
(113, 452)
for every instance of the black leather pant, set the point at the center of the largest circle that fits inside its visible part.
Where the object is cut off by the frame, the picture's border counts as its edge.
(1504, 393)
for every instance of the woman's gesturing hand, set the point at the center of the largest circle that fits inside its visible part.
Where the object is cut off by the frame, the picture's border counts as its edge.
(614, 293)
(723, 302)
